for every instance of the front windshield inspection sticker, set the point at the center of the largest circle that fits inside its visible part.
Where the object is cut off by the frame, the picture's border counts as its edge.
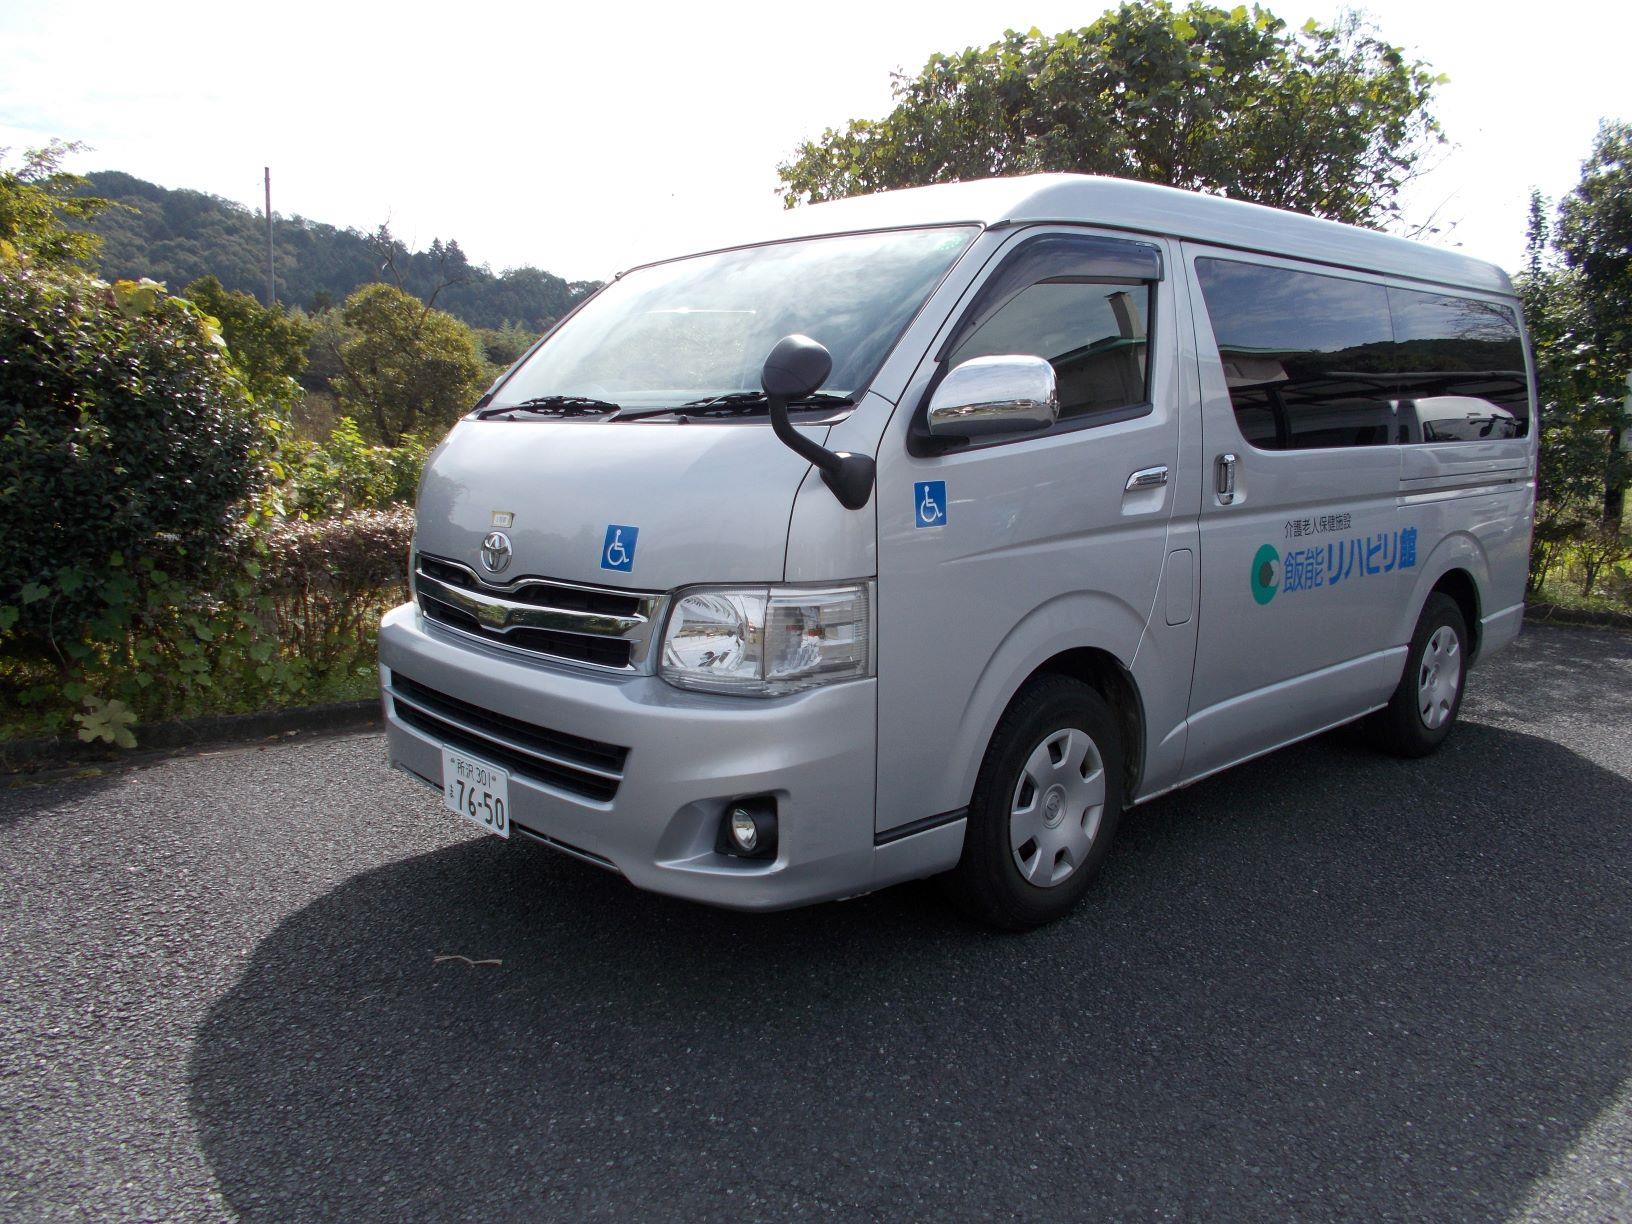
(929, 503)
(1331, 564)
(618, 549)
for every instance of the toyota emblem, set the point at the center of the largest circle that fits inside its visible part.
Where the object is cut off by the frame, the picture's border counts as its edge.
(495, 552)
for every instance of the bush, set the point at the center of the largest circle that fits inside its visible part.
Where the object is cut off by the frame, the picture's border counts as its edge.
(124, 432)
(326, 580)
(1600, 554)
(343, 472)
(267, 344)
(286, 616)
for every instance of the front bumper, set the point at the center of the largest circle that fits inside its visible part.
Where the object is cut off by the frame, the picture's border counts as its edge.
(689, 754)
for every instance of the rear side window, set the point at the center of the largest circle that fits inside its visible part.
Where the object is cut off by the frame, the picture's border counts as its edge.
(1459, 368)
(1305, 355)
(1315, 361)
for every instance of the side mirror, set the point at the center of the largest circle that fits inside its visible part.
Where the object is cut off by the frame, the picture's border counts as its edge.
(796, 368)
(994, 395)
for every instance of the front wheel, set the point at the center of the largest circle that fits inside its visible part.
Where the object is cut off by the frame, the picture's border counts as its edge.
(1045, 806)
(1424, 707)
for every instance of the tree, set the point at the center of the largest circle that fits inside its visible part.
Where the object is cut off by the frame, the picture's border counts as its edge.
(404, 367)
(322, 368)
(1326, 120)
(1573, 459)
(38, 201)
(268, 346)
(503, 346)
(1595, 239)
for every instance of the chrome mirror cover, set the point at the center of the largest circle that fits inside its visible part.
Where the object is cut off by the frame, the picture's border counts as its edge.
(1004, 393)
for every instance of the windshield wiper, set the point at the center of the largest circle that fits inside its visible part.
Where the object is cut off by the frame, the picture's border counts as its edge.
(554, 405)
(732, 402)
(750, 401)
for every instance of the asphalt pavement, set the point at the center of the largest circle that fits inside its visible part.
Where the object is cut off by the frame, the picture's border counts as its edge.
(281, 982)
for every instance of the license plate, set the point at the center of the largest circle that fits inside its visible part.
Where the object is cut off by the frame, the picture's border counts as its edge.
(477, 791)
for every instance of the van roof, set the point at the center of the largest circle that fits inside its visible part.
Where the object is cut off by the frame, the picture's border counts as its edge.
(1123, 204)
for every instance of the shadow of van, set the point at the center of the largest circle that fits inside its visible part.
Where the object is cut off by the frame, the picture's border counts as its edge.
(1325, 983)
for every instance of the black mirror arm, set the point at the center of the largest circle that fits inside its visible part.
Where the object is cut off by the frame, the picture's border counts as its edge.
(849, 476)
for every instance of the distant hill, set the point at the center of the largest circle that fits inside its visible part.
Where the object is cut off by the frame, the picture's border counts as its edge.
(176, 236)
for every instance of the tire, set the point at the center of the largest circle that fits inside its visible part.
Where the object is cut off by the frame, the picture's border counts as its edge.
(1045, 807)
(1424, 706)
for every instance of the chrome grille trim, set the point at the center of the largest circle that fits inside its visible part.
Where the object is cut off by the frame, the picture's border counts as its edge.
(502, 615)
(498, 611)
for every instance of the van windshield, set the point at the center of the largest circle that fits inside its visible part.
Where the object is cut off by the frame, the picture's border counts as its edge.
(693, 329)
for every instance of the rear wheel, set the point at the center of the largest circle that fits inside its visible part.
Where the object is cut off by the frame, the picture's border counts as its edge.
(1425, 704)
(1045, 806)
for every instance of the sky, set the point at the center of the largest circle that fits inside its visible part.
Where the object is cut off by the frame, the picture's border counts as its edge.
(584, 138)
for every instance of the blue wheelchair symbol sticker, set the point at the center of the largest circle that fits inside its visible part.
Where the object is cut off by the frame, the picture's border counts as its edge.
(929, 503)
(618, 549)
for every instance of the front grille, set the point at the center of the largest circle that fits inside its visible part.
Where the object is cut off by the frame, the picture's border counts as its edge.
(571, 763)
(599, 652)
(592, 626)
(453, 575)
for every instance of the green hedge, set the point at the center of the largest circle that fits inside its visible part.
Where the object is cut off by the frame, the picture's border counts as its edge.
(286, 615)
(124, 432)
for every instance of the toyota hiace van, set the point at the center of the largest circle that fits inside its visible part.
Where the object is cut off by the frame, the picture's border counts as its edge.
(930, 532)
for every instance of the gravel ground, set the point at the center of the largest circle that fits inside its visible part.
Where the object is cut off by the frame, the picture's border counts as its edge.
(1326, 984)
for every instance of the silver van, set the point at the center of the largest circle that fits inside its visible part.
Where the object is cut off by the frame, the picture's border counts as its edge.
(925, 535)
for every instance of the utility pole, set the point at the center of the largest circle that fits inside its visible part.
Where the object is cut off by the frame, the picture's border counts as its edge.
(271, 284)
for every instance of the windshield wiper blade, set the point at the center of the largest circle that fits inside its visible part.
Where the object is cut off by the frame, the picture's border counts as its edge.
(738, 401)
(640, 414)
(555, 405)
(731, 402)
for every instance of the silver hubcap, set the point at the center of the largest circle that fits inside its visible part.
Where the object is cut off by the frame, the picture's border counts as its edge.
(1438, 677)
(1057, 807)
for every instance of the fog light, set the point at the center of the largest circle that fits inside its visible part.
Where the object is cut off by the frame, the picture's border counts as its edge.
(748, 829)
(743, 834)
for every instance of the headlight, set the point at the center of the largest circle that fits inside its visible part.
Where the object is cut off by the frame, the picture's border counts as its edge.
(766, 641)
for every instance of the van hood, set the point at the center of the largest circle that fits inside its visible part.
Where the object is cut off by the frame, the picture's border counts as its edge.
(638, 505)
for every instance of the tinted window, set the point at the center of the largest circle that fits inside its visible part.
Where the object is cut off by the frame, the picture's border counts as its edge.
(1319, 361)
(1093, 333)
(1459, 369)
(1305, 355)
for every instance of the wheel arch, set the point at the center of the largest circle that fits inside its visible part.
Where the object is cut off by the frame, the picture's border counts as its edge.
(1460, 568)
(1091, 636)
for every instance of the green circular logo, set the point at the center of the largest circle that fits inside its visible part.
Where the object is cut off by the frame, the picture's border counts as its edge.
(1266, 574)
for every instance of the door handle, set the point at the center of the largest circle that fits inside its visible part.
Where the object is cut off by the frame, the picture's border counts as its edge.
(1224, 479)
(1147, 478)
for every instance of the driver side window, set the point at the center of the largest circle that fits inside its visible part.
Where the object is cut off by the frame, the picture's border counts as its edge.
(1094, 334)
(1081, 303)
